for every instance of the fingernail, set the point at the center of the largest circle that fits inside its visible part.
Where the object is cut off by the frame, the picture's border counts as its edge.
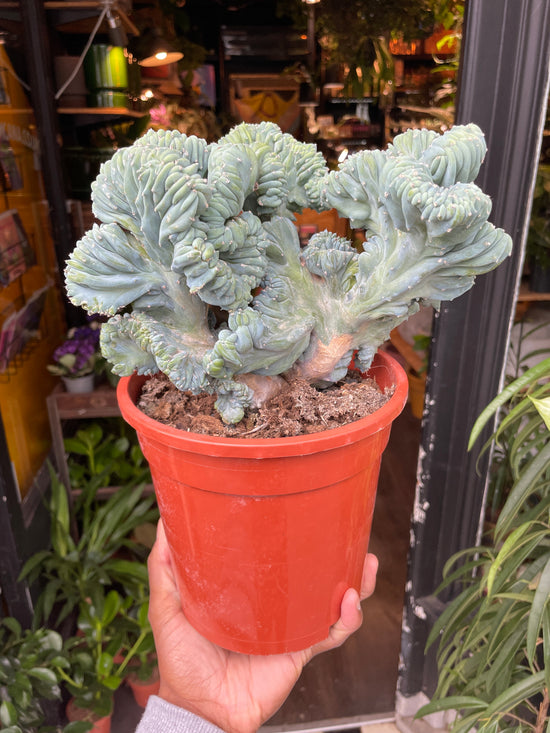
(358, 605)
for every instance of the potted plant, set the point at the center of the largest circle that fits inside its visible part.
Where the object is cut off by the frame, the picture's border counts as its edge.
(198, 265)
(94, 675)
(98, 658)
(138, 649)
(93, 451)
(75, 360)
(493, 638)
(70, 571)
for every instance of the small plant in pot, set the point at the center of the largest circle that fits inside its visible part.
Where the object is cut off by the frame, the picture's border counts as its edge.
(77, 358)
(198, 265)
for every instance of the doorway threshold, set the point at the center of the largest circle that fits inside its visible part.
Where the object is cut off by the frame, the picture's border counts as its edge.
(386, 722)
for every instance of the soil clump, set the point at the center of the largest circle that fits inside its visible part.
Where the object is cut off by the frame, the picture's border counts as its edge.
(300, 409)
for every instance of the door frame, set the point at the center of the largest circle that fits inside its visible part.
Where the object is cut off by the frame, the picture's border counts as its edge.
(503, 87)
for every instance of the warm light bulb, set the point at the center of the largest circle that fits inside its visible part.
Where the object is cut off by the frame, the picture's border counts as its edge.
(343, 155)
(161, 55)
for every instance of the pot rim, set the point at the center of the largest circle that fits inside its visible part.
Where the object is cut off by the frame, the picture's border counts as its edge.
(128, 390)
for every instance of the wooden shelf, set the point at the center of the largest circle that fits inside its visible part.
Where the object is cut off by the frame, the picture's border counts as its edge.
(62, 405)
(66, 406)
(98, 111)
(69, 11)
(16, 110)
(526, 295)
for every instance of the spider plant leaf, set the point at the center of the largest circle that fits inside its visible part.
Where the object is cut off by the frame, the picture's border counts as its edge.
(464, 571)
(546, 644)
(469, 723)
(499, 674)
(528, 438)
(513, 547)
(538, 609)
(522, 690)
(455, 702)
(543, 408)
(522, 490)
(461, 608)
(530, 376)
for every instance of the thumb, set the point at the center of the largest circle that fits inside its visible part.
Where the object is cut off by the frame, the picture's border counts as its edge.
(351, 618)
(164, 596)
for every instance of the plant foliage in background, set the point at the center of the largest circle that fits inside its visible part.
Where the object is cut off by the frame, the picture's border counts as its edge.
(493, 640)
(355, 20)
(98, 456)
(73, 569)
(30, 664)
(95, 584)
(355, 34)
(524, 352)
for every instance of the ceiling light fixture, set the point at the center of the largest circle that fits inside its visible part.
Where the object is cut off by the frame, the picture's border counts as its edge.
(155, 50)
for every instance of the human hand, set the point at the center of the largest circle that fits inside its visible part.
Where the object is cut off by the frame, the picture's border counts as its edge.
(236, 692)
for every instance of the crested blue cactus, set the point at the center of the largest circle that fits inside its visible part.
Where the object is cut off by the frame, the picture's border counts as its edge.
(192, 230)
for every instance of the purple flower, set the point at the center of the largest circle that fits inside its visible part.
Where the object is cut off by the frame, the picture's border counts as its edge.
(78, 353)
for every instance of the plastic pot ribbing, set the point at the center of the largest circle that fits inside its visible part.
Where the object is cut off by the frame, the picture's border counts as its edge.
(266, 535)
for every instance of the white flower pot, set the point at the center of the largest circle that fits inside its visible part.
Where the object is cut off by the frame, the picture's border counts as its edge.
(79, 384)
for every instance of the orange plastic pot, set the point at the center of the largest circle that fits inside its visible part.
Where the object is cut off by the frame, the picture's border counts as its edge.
(266, 535)
(142, 690)
(99, 725)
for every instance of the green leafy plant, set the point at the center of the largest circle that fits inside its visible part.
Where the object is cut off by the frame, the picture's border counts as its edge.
(493, 639)
(95, 451)
(98, 657)
(103, 557)
(93, 677)
(520, 357)
(28, 661)
(199, 268)
(138, 644)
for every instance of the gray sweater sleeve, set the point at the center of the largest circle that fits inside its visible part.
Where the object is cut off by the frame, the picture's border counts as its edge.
(163, 717)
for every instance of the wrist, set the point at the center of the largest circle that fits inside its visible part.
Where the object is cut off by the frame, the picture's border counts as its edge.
(160, 714)
(212, 713)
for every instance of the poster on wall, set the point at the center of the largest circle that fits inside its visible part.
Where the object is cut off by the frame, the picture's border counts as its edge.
(20, 326)
(10, 175)
(16, 254)
(265, 98)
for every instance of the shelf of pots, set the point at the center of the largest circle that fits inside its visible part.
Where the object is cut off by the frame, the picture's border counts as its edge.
(198, 266)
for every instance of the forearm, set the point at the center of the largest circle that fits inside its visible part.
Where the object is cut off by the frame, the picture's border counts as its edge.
(163, 717)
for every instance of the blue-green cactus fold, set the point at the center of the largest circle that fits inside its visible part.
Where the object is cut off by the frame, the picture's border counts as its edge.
(198, 265)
